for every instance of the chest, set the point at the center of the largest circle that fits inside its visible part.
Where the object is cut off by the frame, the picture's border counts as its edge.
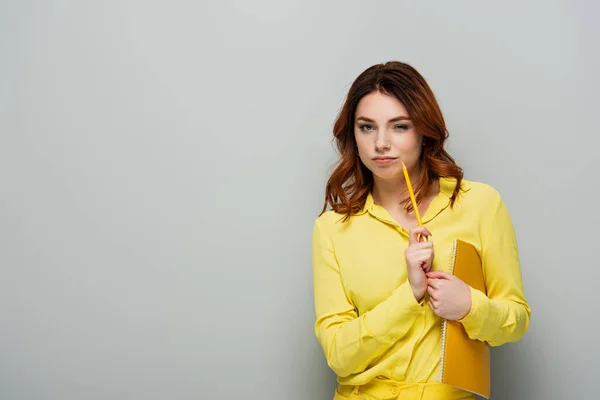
(372, 262)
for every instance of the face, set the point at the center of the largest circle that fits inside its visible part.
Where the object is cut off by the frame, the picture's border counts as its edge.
(386, 136)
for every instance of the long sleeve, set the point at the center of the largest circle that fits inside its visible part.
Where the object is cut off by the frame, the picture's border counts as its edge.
(503, 315)
(351, 342)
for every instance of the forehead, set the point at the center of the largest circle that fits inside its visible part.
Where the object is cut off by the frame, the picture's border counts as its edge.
(380, 107)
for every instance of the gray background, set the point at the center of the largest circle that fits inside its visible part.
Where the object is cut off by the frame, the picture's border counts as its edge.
(162, 163)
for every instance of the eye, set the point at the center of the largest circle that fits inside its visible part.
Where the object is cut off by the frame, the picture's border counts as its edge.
(402, 127)
(365, 127)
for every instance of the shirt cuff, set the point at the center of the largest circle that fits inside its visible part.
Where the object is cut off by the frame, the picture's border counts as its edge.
(474, 320)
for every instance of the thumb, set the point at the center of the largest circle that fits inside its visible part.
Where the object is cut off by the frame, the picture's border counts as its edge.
(439, 275)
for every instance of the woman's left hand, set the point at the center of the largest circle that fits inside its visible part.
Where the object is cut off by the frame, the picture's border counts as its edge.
(450, 298)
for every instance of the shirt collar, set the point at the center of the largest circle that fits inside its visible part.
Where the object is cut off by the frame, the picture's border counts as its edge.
(447, 185)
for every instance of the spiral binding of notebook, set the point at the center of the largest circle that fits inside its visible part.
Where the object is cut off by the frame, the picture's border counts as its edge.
(444, 329)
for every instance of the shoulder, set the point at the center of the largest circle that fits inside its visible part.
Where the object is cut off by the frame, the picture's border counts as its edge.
(329, 221)
(480, 192)
(332, 224)
(480, 198)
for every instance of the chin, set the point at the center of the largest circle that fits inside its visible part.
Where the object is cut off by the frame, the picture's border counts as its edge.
(387, 173)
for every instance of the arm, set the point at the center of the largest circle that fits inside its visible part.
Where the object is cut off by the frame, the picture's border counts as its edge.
(351, 342)
(503, 315)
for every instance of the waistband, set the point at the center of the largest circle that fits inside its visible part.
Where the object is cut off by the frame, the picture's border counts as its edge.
(387, 389)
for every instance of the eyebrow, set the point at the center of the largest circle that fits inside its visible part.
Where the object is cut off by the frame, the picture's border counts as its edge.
(396, 119)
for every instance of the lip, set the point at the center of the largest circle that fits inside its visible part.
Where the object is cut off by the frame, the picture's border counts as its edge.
(384, 160)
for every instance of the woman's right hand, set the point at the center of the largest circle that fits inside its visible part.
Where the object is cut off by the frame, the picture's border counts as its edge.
(419, 260)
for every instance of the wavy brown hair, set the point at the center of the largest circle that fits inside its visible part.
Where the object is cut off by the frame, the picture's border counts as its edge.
(350, 182)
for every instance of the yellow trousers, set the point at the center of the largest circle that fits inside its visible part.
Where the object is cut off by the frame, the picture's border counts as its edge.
(385, 389)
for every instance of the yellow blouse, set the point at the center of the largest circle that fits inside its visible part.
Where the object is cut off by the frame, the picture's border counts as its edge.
(367, 319)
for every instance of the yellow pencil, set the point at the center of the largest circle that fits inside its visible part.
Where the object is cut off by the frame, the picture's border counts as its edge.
(412, 195)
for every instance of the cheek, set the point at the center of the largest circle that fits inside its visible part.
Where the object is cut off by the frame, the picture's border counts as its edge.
(362, 142)
(409, 144)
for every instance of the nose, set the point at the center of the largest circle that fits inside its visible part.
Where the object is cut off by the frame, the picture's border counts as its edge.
(382, 142)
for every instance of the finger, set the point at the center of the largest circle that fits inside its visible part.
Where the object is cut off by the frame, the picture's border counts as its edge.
(415, 232)
(416, 248)
(439, 275)
(423, 246)
(428, 252)
(433, 307)
(422, 238)
(433, 294)
(419, 256)
(424, 262)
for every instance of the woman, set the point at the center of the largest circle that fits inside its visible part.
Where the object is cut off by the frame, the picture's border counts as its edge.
(380, 281)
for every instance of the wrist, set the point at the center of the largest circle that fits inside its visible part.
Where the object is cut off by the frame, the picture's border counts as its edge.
(468, 304)
(419, 293)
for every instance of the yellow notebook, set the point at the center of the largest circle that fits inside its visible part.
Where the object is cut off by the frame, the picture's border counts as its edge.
(465, 363)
